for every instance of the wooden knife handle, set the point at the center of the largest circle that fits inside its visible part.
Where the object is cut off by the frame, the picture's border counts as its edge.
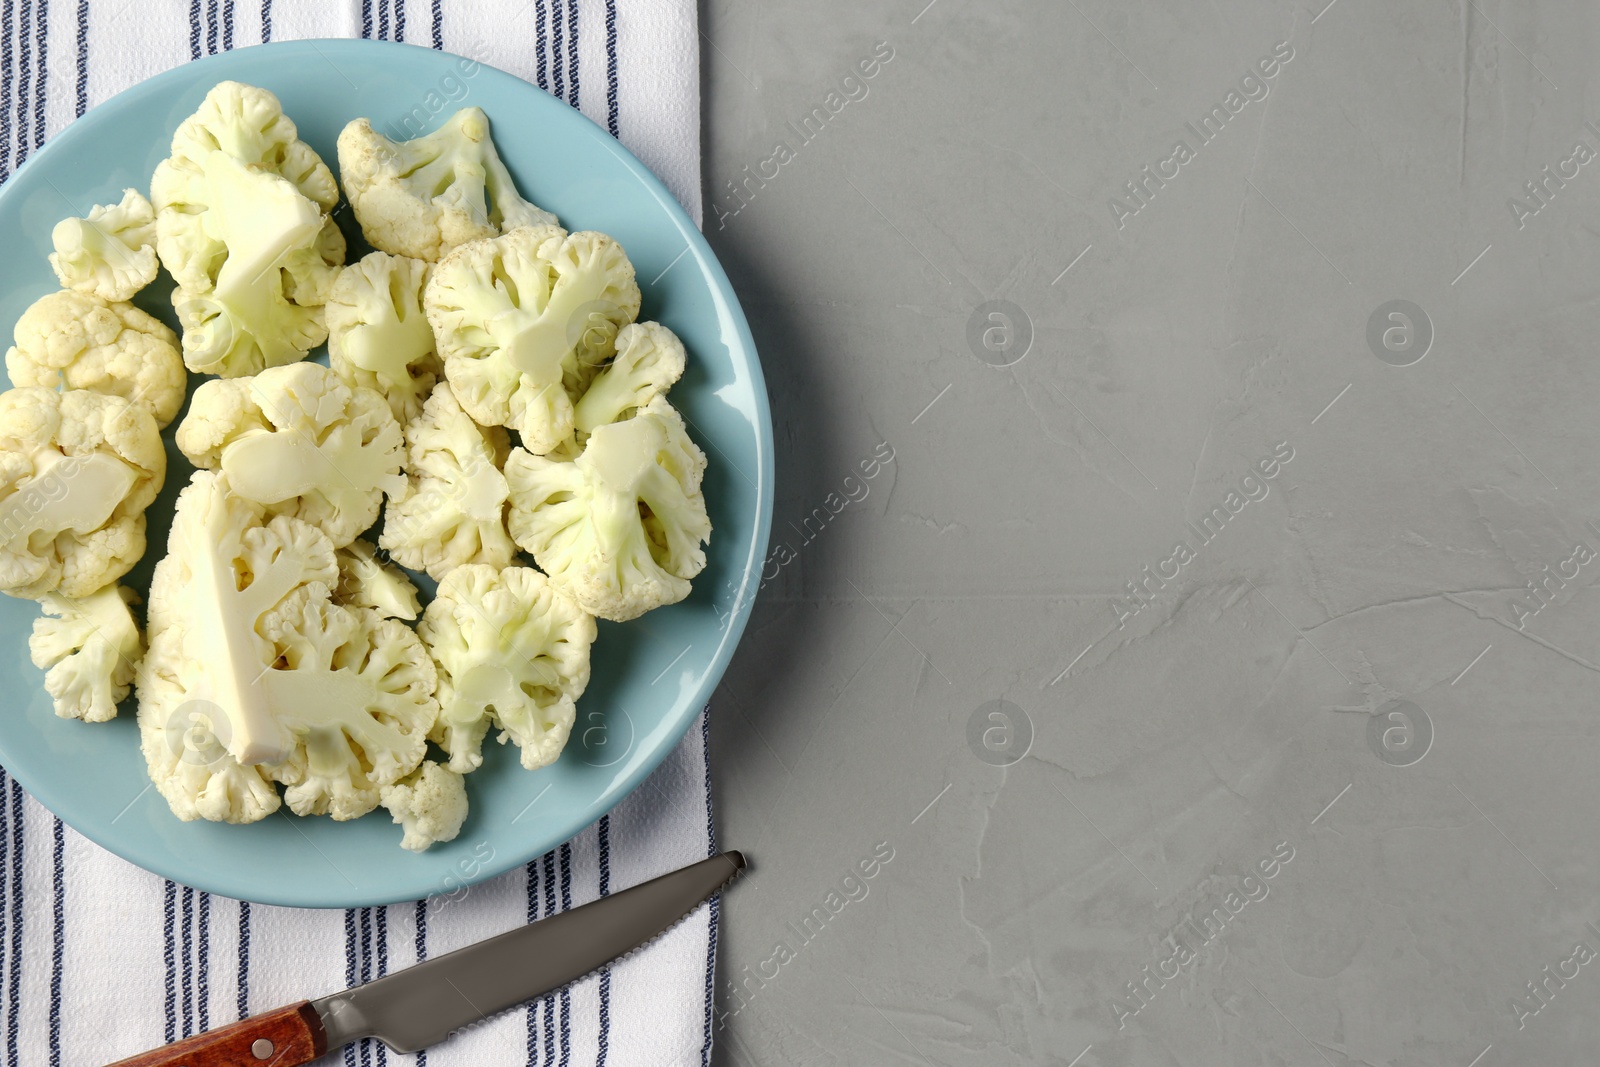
(286, 1037)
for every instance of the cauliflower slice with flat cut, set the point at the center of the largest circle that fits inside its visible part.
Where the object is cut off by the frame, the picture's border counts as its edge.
(619, 529)
(649, 361)
(90, 646)
(430, 804)
(109, 253)
(74, 340)
(77, 470)
(453, 509)
(300, 442)
(365, 581)
(524, 322)
(511, 652)
(253, 675)
(242, 225)
(378, 335)
(423, 197)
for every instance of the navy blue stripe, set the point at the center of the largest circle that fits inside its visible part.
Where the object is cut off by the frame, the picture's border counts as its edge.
(382, 935)
(438, 39)
(244, 959)
(58, 940)
(350, 970)
(202, 965)
(6, 55)
(194, 29)
(366, 18)
(533, 1007)
(558, 68)
(383, 20)
(366, 971)
(611, 67)
(400, 20)
(186, 942)
(572, 51)
(716, 899)
(19, 147)
(170, 957)
(541, 46)
(566, 992)
(83, 57)
(422, 954)
(212, 18)
(227, 25)
(14, 990)
(5, 855)
(41, 44)
(603, 836)
(549, 882)
(266, 21)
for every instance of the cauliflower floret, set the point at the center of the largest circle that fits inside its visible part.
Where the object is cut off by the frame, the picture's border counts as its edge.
(377, 334)
(77, 470)
(524, 322)
(300, 442)
(242, 225)
(512, 652)
(618, 529)
(91, 647)
(453, 509)
(649, 359)
(75, 340)
(365, 581)
(423, 197)
(110, 253)
(254, 676)
(430, 804)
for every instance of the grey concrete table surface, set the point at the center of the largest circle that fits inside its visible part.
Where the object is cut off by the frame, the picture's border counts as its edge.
(1180, 640)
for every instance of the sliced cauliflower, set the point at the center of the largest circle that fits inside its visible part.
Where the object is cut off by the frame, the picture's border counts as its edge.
(430, 804)
(90, 646)
(242, 225)
(524, 321)
(300, 442)
(77, 470)
(618, 529)
(377, 334)
(254, 676)
(365, 581)
(453, 509)
(74, 340)
(111, 252)
(511, 652)
(423, 197)
(649, 360)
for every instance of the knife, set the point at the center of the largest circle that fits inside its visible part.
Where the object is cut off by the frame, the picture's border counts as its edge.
(422, 1005)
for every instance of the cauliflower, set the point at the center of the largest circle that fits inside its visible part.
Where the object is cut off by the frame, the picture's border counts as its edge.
(254, 676)
(77, 470)
(110, 253)
(300, 442)
(618, 529)
(453, 509)
(365, 581)
(430, 803)
(422, 198)
(81, 341)
(649, 360)
(377, 334)
(511, 651)
(525, 320)
(91, 647)
(242, 224)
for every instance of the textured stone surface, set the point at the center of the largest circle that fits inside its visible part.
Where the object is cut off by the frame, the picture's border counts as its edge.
(1230, 725)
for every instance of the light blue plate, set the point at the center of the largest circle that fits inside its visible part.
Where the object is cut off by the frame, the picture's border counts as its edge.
(651, 676)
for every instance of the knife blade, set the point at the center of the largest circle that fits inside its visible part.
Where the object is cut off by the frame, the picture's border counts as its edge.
(422, 1005)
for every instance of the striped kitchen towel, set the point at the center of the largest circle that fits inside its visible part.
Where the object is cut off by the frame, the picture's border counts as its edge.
(99, 959)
